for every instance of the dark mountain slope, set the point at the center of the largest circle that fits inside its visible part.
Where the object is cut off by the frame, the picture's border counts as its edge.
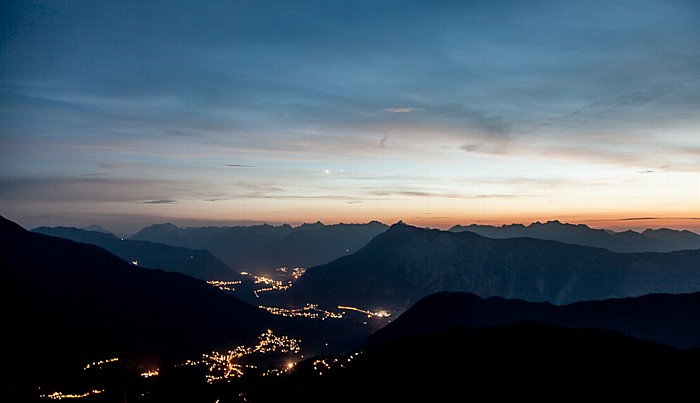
(195, 263)
(670, 319)
(263, 248)
(662, 240)
(405, 264)
(521, 361)
(69, 302)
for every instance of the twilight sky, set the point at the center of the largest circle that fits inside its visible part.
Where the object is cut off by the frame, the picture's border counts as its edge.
(436, 113)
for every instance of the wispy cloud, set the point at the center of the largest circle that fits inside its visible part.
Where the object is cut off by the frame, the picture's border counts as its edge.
(162, 201)
(402, 110)
(384, 142)
(621, 104)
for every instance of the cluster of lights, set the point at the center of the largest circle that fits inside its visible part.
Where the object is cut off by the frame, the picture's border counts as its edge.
(220, 366)
(311, 311)
(327, 365)
(268, 342)
(100, 363)
(188, 363)
(267, 281)
(61, 396)
(370, 314)
(150, 374)
(277, 372)
(227, 366)
(274, 284)
(297, 272)
(223, 285)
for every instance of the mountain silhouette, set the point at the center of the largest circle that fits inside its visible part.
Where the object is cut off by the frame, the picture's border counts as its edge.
(96, 228)
(195, 263)
(671, 319)
(662, 240)
(526, 360)
(264, 248)
(405, 264)
(71, 302)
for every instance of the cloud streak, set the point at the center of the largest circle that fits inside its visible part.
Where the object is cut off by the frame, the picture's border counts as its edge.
(402, 110)
(161, 201)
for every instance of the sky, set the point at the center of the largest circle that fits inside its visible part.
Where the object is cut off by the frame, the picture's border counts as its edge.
(437, 113)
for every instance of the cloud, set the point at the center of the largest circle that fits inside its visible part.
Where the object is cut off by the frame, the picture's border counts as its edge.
(487, 148)
(444, 195)
(92, 189)
(239, 166)
(650, 219)
(462, 115)
(402, 110)
(162, 201)
(626, 103)
(384, 141)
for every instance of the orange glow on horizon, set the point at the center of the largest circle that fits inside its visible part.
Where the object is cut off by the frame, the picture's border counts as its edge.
(616, 222)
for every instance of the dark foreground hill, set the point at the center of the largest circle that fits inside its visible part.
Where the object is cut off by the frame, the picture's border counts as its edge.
(195, 263)
(522, 361)
(673, 320)
(69, 301)
(263, 248)
(405, 264)
(661, 240)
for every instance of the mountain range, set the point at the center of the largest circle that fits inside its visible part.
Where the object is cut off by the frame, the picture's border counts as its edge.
(197, 263)
(70, 303)
(261, 249)
(650, 240)
(671, 319)
(73, 302)
(404, 264)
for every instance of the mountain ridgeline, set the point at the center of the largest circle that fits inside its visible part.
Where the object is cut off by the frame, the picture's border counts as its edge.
(70, 303)
(650, 240)
(670, 319)
(511, 362)
(195, 263)
(405, 264)
(263, 248)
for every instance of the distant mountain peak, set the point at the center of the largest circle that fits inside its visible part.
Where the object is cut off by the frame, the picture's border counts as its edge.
(165, 225)
(660, 240)
(317, 224)
(406, 263)
(551, 223)
(96, 228)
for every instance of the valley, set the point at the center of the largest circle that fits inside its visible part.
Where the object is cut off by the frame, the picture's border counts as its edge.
(290, 328)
